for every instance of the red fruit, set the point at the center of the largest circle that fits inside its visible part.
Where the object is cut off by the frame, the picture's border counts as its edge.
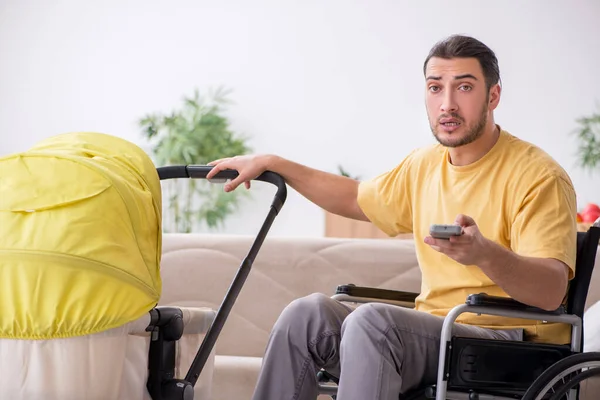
(590, 216)
(591, 207)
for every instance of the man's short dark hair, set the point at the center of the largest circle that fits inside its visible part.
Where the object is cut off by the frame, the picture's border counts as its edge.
(458, 46)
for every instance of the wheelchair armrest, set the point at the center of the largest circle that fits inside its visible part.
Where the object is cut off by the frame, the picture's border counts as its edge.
(486, 300)
(374, 294)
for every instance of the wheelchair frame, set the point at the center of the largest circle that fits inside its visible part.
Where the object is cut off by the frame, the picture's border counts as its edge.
(483, 304)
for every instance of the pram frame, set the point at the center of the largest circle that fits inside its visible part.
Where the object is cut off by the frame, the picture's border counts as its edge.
(166, 324)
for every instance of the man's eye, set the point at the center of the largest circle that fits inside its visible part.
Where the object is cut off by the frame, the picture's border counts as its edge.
(433, 88)
(465, 88)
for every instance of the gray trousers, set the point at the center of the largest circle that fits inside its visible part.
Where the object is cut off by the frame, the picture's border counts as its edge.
(378, 351)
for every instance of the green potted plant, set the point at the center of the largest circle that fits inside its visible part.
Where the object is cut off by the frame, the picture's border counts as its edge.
(588, 153)
(588, 136)
(196, 133)
(343, 172)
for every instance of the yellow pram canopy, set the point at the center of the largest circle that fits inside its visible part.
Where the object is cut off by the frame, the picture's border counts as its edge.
(80, 237)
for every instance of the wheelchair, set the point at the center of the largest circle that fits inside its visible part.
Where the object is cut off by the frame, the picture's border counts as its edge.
(482, 369)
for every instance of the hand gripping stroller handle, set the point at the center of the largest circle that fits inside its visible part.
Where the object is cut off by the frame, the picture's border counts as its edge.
(200, 172)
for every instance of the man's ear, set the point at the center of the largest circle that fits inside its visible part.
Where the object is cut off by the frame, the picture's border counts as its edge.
(494, 96)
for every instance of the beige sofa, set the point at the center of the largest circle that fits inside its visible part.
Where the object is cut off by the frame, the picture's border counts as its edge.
(198, 269)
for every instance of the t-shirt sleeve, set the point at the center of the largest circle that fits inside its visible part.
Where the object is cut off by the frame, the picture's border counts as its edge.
(385, 200)
(545, 224)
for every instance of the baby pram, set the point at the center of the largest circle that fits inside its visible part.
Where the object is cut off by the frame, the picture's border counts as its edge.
(80, 249)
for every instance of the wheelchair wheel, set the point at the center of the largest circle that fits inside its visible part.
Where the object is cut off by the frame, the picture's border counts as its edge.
(555, 382)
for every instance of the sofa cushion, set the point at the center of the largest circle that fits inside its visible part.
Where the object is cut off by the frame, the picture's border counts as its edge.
(197, 270)
(593, 296)
(235, 377)
(591, 328)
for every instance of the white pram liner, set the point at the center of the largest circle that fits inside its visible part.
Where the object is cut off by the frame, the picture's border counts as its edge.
(111, 365)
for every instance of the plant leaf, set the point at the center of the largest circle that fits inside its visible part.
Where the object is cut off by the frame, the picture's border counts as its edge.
(195, 133)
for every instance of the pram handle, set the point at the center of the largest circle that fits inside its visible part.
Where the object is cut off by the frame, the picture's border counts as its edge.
(200, 172)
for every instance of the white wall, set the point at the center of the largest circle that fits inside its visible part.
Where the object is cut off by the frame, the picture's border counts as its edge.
(321, 82)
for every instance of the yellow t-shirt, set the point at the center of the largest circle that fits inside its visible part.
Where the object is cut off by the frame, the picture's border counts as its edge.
(518, 196)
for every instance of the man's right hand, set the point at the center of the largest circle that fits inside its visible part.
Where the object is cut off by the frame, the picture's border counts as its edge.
(334, 193)
(249, 167)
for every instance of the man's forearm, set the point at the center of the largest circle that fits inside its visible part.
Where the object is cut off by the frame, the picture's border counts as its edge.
(539, 282)
(334, 193)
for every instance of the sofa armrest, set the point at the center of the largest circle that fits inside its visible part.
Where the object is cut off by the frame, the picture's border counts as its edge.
(362, 294)
(486, 300)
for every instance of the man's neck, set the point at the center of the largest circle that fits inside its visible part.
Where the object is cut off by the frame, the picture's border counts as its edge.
(468, 154)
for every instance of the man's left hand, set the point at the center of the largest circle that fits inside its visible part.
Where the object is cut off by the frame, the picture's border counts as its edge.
(468, 249)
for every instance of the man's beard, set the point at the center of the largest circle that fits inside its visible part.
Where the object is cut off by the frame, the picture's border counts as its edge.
(474, 132)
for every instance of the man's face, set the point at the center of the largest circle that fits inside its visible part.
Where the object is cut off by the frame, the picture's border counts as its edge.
(457, 100)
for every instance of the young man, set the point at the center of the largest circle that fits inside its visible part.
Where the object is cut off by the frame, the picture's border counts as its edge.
(517, 209)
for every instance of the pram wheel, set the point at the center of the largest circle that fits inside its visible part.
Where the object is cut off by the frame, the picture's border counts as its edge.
(556, 382)
(177, 389)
